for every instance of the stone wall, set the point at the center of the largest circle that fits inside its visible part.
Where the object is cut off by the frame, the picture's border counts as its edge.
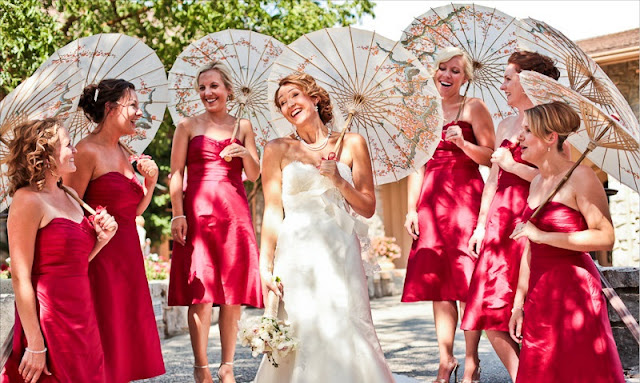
(625, 281)
(625, 76)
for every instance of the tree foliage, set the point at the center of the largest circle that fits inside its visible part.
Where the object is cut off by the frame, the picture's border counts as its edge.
(31, 30)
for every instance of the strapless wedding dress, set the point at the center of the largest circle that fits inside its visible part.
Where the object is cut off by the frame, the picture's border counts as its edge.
(325, 290)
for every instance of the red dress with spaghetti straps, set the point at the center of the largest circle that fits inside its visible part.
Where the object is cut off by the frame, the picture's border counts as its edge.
(440, 266)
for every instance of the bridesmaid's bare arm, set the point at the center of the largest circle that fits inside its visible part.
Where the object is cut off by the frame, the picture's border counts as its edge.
(25, 217)
(517, 313)
(482, 125)
(414, 186)
(251, 163)
(179, 147)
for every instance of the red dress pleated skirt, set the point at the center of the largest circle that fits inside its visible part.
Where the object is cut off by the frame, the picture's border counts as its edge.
(119, 286)
(65, 308)
(566, 332)
(495, 278)
(219, 263)
(440, 266)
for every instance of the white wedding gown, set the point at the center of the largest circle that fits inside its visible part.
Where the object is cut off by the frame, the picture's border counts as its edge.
(325, 290)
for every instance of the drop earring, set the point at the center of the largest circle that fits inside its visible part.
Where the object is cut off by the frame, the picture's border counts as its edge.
(316, 107)
(548, 148)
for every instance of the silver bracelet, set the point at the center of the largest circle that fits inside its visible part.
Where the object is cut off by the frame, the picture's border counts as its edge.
(35, 352)
(517, 308)
(178, 216)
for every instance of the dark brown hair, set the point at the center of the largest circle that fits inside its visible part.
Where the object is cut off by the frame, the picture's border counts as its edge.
(534, 61)
(109, 90)
(308, 86)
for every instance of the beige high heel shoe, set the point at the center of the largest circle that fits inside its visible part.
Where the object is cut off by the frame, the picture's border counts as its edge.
(195, 368)
(473, 380)
(222, 364)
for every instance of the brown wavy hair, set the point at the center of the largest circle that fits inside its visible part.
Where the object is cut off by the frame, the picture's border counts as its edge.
(308, 86)
(32, 153)
(555, 117)
(534, 61)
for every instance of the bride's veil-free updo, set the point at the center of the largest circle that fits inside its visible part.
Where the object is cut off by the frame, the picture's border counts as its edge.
(308, 85)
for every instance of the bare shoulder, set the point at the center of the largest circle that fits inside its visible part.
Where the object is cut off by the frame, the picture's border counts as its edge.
(26, 202)
(277, 146)
(355, 139)
(476, 104)
(584, 177)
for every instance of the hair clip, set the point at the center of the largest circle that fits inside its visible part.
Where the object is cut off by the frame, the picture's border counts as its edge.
(95, 96)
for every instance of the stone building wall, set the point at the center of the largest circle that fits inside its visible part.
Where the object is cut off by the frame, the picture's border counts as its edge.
(625, 206)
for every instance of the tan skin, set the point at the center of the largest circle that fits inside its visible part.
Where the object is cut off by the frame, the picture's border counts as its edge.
(99, 153)
(31, 210)
(299, 109)
(449, 79)
(216, 123)
(583, 192)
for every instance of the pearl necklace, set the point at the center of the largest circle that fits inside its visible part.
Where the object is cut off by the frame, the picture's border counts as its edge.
(315, 148)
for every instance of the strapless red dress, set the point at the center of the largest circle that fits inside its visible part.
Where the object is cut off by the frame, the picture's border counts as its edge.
(120, 289)
(65, 308)
(219, 263)
(566, 332)
(440, 266)
(495, 278)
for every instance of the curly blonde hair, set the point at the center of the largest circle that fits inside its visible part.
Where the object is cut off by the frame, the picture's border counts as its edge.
(32, 153)
(308, 86)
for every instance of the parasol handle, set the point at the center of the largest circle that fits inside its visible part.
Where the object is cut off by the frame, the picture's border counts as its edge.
(77, 199)
(333, 155)
(271, 307)
(236, 126)
(132, 153)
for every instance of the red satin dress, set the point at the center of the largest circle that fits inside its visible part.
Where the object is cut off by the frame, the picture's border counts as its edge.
(219, 263)
(120, 289)
(65, 309)
(440, 266)
(495, 278)
(566, 333)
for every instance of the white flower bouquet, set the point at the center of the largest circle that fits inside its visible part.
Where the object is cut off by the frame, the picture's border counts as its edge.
(267, 334)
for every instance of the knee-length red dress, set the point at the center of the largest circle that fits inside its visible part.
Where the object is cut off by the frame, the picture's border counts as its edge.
(219, 263)
(65, 308)
(119, 286)
(495, 278)
(440, 266)
(566, 332)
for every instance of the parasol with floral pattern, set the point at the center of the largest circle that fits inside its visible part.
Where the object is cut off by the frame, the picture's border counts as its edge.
(378, 89)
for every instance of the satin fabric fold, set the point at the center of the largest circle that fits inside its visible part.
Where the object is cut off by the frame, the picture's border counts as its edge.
(566, 332)
(219, 263)
(65, 307)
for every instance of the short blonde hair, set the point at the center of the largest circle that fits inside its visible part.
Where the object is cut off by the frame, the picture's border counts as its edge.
(555, 117)
(222, 69)
(448, 53)
(32, 154)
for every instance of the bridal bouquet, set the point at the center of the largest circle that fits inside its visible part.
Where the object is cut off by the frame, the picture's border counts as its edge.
(267, 334)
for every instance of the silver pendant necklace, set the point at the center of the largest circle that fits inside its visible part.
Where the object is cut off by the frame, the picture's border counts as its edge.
(317, 147)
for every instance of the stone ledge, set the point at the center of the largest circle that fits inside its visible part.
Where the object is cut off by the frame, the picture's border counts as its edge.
(622, 277)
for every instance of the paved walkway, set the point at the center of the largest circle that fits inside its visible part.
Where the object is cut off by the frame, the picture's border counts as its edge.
(406, 334)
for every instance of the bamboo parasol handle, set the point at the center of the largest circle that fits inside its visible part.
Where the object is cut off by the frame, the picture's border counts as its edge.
(336, 149)
(236, 126)
(132, 153)
(78, 200)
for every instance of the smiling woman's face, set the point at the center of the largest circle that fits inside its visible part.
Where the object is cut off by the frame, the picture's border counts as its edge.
(295, 105)
(450, 76)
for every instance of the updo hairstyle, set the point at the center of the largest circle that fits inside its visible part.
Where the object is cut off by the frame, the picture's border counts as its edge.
(109, 91)
(534, 61)
(308, 86)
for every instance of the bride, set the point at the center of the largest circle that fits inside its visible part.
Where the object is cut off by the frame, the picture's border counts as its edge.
(309, 240)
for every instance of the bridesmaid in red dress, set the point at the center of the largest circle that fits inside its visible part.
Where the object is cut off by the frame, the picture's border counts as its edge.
(118, 282)
(559, 311)
(215, 254)
(494, 280)
(444, 201)
(56, 336)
